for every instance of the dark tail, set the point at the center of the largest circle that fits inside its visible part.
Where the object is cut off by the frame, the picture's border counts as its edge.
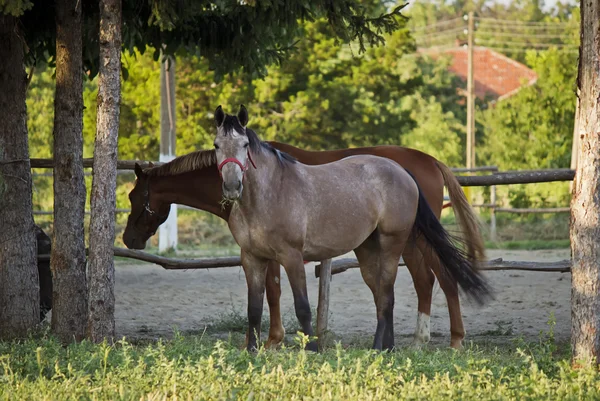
(455, 263)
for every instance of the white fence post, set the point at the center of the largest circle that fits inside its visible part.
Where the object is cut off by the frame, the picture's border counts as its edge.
(493, 213)
(167, 236)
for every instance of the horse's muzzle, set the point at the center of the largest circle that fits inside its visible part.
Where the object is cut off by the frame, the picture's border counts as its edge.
(232, 191)
(132, 241)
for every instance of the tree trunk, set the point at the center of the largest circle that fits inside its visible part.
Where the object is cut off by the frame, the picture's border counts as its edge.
(19, 288)
(101, 323)
(585, 204)
(69, 306)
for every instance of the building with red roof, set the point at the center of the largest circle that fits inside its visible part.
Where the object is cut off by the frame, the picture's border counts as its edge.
(496, 76)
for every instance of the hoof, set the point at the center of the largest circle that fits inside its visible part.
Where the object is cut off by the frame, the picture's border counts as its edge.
(252, 350)
(312, 346)
(273, 343)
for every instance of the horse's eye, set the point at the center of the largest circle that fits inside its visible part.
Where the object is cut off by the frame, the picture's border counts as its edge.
(216, 146)
(245, 145)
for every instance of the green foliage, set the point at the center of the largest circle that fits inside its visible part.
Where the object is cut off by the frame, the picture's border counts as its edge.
(230, 34)
(40, 113)
(327, 97)
(200, 368)
(16, 8)
(535, 126)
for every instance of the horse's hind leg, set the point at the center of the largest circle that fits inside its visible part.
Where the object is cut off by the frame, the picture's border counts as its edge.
(378, 258)
(450, 288)
(294, 267)
(423, 280)
(392, 247)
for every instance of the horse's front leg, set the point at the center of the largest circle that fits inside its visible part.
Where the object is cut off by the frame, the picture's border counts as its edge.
(294, 267)
(273, 283)
(273, 289)
(256, 271)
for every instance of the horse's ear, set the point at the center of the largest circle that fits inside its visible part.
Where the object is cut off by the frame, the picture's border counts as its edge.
(219, 116)
(243, 115)
(138, 170)
(150, 164)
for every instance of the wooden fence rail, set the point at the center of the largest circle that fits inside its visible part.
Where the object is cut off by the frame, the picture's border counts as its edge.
(337, 266)
(562, 266)
(530, 210)
(498, 178)
(517, 177)
(87, 163)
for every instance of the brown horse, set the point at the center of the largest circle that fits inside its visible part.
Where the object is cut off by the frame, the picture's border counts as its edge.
(290, 212)
(193, 180)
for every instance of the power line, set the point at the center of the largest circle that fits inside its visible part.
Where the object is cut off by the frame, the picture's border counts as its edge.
(523, 50)
(444, 32)
(549, 28)
(438, 39)
(437, 24)
(526, 44)
(522, 35)
(512, 22)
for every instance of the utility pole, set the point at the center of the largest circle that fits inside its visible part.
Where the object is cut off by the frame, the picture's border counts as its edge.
(167, 235)
(470, 92)
(575, 146)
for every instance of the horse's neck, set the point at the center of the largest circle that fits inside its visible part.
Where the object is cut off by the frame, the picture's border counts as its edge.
(200, 189)
(260, 181)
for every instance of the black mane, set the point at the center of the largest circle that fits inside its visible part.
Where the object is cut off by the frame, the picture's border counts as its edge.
(231, 123)
(257, 145)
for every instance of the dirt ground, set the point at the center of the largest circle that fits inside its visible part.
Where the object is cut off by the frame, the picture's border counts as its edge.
(151, 302)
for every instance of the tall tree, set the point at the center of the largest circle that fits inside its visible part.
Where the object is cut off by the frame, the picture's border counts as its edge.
(585, 204)
(69, 309)
(101, 323)
(19, 288)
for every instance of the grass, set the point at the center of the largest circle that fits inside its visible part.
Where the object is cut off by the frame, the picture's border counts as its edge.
(529, 245)
(202, 368)
(236, 320)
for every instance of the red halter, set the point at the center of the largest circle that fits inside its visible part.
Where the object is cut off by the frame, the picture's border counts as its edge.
(236, 161)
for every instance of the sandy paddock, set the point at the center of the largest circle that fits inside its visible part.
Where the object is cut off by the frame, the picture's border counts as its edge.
(151, 301)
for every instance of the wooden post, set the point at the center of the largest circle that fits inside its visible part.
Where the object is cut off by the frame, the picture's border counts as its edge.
(575, 145)
(585, 202)
(70, 309)
(493, 213)
(167, 236)
(323, 308)
(470, 92)
(101, 268)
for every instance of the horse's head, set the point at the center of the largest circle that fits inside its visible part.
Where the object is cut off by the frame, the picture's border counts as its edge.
(147, 212)
(232, 147)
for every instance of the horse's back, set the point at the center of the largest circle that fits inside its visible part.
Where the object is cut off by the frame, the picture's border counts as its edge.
(371, 179)
(397, 189)
(378, 168)
(422, 165)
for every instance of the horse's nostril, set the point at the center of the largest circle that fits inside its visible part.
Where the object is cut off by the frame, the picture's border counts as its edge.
(233, 186)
